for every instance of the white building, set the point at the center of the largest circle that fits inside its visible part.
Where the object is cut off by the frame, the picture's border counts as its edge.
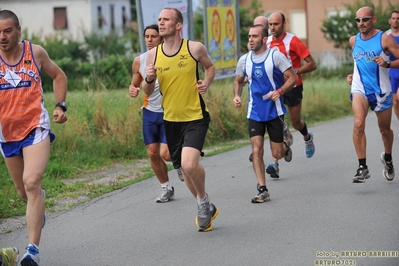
(71, 17)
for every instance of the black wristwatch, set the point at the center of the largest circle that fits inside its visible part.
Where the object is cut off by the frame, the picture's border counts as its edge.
(388, 63)
(149, 82)
(62, 105)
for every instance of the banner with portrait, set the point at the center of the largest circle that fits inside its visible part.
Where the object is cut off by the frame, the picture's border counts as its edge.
(222, 37)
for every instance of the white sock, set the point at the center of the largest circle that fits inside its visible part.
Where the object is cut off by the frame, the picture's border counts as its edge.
(167, 185)
(205, 199)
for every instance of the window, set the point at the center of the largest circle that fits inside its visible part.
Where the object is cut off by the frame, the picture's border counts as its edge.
(112, 18)
(124, 17)
(60, 18)
(298, 24)
(100, 18)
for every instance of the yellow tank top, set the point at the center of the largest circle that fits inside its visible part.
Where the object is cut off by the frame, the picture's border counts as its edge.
(177, 76)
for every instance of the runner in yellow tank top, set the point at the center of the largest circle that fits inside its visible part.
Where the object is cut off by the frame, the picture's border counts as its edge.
(180, 68)
(174, 63)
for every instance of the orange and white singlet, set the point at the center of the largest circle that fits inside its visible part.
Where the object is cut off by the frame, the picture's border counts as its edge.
(21, 97)
(151, 102)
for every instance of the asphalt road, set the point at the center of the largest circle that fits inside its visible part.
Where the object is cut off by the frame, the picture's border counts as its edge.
(316, 214)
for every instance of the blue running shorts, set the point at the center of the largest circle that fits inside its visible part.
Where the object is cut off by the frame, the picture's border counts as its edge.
(14, 148)
(153, 127)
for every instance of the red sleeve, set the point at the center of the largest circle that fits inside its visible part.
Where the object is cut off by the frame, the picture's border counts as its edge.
(299, 48)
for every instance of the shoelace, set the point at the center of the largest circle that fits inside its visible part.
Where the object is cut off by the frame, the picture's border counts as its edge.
(204, 210)
(165, 191)
(309, 144)
(32, 250)
(360, 171)
(389, 167)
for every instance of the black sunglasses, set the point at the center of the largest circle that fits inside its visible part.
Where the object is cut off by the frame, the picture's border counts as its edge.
(365, 19)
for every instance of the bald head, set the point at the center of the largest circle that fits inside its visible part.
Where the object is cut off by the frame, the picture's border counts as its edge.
(261, 20)
(365, 11)
(277, 16)
(277, 25)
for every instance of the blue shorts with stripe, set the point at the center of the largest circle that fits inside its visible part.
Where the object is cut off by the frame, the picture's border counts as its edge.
(377, 102)
(14, 148)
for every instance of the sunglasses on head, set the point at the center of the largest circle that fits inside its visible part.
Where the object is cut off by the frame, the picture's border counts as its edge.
(365, 19)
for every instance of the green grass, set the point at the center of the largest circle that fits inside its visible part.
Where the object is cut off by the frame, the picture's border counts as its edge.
(104, 128)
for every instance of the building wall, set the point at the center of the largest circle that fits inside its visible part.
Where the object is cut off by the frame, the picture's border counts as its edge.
(81, 15)
(313, 13)
(285, 6)
(106, 6)
(316, 12)
(37, 16)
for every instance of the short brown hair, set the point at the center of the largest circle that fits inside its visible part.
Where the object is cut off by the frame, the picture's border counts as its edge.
(179, 15)
(8, 14)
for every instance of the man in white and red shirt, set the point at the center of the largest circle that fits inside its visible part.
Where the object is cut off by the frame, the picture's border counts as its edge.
(292, 47)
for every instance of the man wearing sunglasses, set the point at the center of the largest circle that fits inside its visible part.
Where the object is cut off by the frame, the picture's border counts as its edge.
(371, 88)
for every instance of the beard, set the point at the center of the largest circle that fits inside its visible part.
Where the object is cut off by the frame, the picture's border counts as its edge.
(257, 46)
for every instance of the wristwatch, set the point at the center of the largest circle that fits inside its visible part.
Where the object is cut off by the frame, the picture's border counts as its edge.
(388, 63)
(149, 82)
(62, 105)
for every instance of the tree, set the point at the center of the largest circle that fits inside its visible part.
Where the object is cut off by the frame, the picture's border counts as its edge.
(133, 10)
(340, 27)
(247, 16)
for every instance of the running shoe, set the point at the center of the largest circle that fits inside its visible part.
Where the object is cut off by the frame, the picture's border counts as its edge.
(214, 211)
(180, 174)
(167, 195)
(262, 196)
(207, 212)
(388, 172)
(309, 146)
(9, 256)
(362, 173)
(273, 170)
(287, 135)
(288, 153)
(31, 257)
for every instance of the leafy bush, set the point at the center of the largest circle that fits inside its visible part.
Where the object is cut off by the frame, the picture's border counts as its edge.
(339, 28)
(107, 59)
